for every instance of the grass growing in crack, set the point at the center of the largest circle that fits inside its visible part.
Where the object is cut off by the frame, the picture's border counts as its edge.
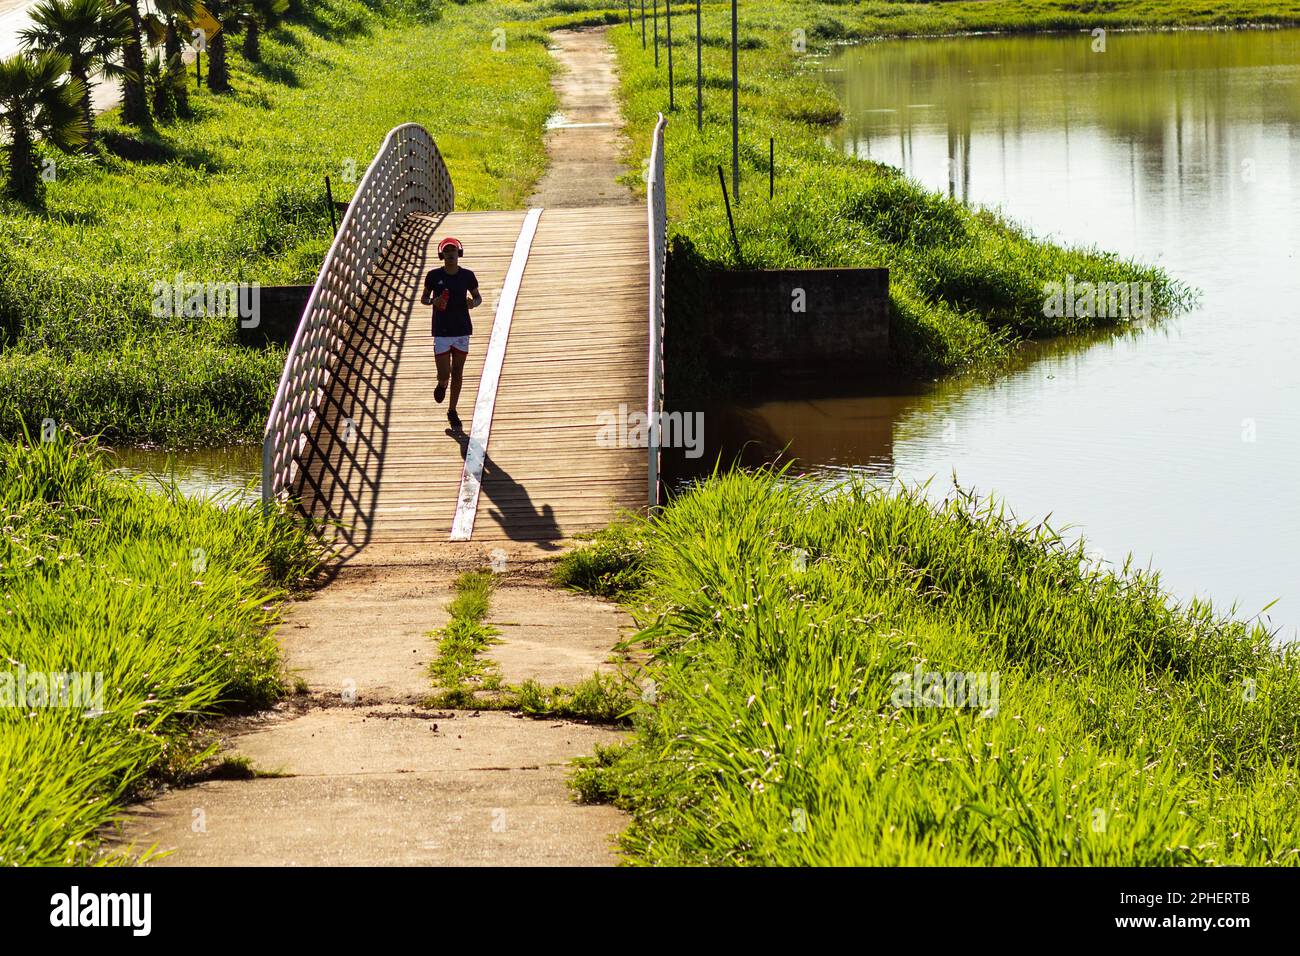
(459, 671)
(602, 698)
(462, 674)
(1126, 728)
(236, 767)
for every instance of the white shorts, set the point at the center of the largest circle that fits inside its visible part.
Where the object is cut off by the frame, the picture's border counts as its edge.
(454, 343)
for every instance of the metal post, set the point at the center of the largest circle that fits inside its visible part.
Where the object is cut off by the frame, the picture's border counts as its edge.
(735, 109)
(771, 167)
(643, 24)
(629, 14)
(699, 72)
(329, 196)
(656, 23)
(722, 180)
(668, 13)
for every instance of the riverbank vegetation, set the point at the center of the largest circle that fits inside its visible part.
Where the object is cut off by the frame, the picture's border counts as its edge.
(128, 616)
(235, 194)
(869, 678)
(966, 285)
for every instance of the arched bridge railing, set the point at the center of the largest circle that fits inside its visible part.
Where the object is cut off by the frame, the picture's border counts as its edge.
(407, 175)
(656, 214)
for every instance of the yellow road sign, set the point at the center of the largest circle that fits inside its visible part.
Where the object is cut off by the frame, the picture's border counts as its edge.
(205, 21)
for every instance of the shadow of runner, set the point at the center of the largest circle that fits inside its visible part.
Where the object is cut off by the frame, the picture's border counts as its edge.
(514, 511)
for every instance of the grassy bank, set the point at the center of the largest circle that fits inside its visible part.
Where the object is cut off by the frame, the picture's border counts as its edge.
(165, 602)
(1114, 727)
(237, 195)
(965, 285)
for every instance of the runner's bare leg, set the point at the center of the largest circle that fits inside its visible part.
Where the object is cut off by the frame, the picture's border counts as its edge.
(457, 367)
(443, 362)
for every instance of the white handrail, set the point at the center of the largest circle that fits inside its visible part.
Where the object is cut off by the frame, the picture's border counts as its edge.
(657, 221)
(407, 175)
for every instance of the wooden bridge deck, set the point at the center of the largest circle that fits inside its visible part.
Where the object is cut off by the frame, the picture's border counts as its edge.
(383, 465)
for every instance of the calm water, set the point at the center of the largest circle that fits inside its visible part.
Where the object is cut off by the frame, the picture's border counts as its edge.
(1179, 444)
(234, 472)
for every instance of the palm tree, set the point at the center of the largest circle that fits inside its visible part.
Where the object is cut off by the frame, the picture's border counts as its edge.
(223, 11)
(166, 85)
(135, 104)
(38, 100)
(254, 16)
(164, 26)
(90, 33)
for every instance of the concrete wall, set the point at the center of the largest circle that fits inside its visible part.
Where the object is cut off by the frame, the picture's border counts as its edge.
(799, 318)
(279, 311)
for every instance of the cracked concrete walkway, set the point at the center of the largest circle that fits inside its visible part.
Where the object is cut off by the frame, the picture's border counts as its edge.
(358, 772)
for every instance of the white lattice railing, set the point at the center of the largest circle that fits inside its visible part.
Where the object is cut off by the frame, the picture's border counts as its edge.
(407, 175)
(657, 215)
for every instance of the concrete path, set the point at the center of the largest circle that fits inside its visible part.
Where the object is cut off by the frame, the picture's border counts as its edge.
(356, 770)
(584, 141)
(360, 773)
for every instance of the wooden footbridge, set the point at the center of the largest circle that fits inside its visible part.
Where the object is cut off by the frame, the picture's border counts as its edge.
(569, 337)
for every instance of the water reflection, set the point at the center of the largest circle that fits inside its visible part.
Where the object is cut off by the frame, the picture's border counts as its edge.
(1178, 443)
(233, 472)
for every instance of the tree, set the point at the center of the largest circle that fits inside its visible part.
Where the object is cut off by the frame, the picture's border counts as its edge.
(135, 105)
(223, 11)
(90, 33)
(164, 27)
(166, 85)
(38, 100)
(255, 16)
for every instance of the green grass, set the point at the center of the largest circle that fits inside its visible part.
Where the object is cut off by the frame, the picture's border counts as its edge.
(171, 600)
(1127, 729)
(459, 671)
(467, 679)
(237, 194)
(601, 698)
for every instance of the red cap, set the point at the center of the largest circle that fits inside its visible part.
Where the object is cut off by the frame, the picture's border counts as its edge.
(450, 241)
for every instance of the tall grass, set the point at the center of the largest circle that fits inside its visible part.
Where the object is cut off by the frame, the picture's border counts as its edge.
(169, 600)
(1127, 730)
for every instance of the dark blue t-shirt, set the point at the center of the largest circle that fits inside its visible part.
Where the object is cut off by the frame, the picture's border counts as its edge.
(454, 320)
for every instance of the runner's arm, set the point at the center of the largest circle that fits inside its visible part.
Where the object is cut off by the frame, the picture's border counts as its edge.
(427, 297)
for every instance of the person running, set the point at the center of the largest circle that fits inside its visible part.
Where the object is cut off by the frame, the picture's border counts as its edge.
(452, 291)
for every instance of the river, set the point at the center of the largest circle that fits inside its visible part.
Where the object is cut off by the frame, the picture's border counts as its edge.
(1179, 444)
